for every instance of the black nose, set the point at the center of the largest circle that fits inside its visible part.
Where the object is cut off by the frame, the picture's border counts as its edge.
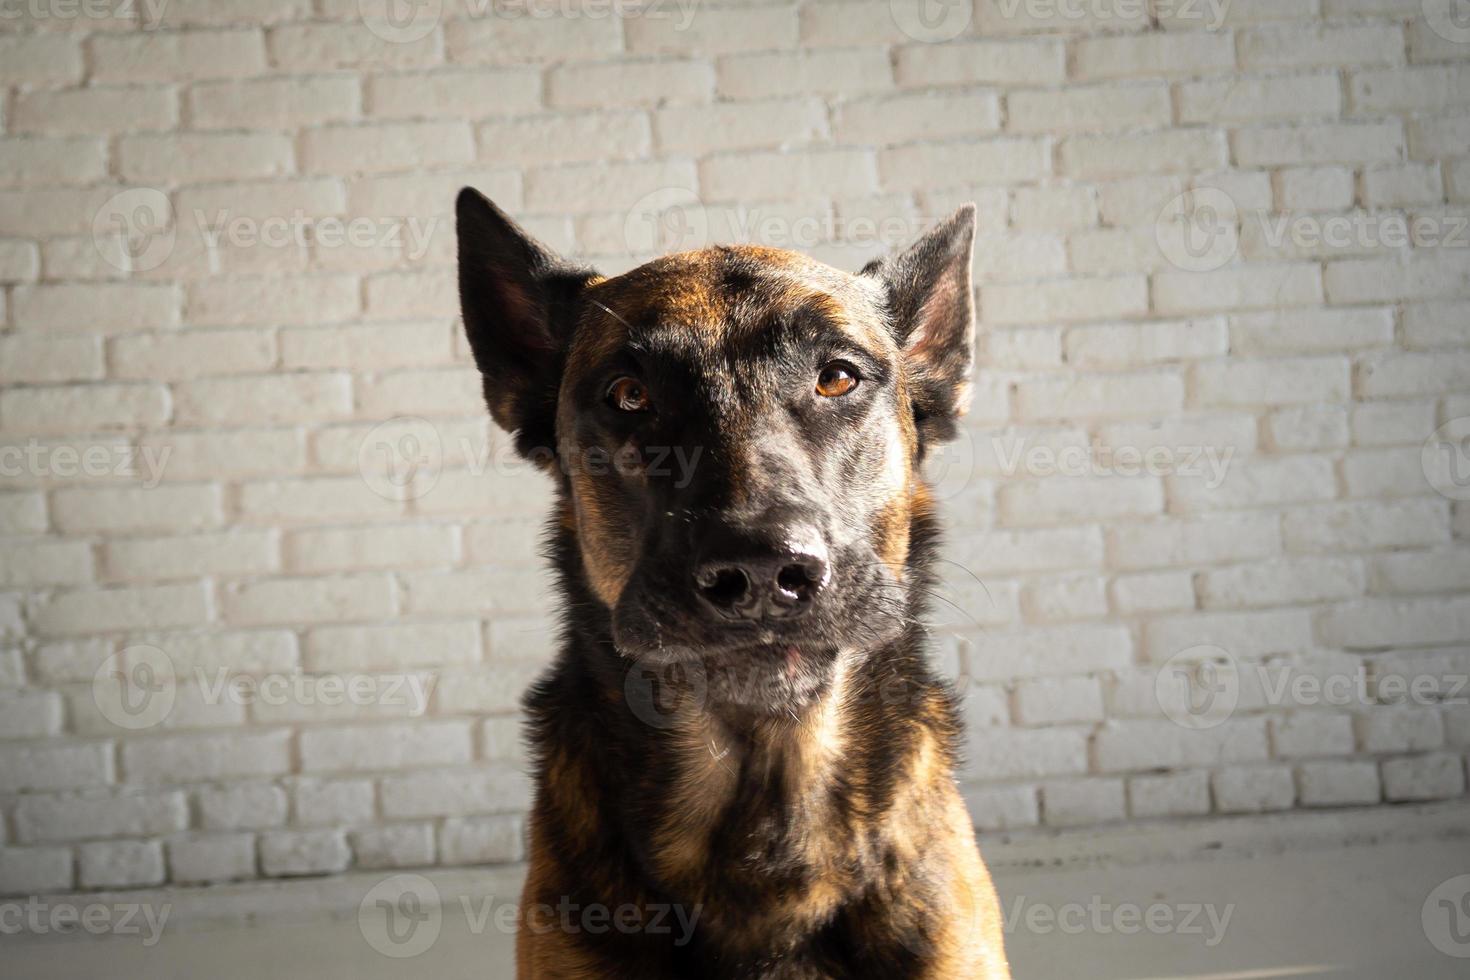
(777, 586)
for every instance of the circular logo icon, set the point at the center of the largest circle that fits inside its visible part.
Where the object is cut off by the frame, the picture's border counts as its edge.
(1450, 19)
(931, 21)
(670, 219)
(135, 689)
(134, 230)
(1198, 231)
(401, 459)
(1198, 688)
(401, 21)
(1446, 917)
(401, 915)
(654, 692)
(948, 467)
(1446, 459)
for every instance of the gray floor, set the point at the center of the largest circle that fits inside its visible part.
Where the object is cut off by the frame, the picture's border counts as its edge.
(1339, 912)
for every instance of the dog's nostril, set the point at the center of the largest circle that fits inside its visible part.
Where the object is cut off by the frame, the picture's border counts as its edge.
(722, 586)
(801, 579)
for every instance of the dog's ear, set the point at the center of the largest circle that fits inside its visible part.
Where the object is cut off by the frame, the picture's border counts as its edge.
(517, 298)
(932, 308)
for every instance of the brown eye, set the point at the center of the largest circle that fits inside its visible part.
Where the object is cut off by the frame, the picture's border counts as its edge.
(628, 395)
(836, 380)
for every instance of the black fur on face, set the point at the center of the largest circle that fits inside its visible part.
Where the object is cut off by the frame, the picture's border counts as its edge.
(735, 433)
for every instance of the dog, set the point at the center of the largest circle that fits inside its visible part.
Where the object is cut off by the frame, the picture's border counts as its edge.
(743, 763)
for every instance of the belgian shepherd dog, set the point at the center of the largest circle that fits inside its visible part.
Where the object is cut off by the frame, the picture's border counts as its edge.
(744, 763)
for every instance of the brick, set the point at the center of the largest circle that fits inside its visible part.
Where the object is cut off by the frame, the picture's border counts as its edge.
(396, 846)
(333, 802)
(355, 649)
(1435, 324)
(1260, 99)
(1308, 428)
(1319, 45)
(1254, 634)
(386, 147)
(198, 756)
(1033, 550)
(275, 103)
(38, 563)
(482, 840)
(318, 47)
(160, 56)
(1184, 794)
(1338, 783)
(167, 159)
(1305, 734)
(1082, 802)
(346, 598)
(713, 30)
(1029, 754)
(1166, 151)
(83, 408)
(1055, 208)
(1254, 789)
(1130, 344)
(137, 509)
(386, 747)
(37, 59)
(1152, 592)
(1396, 375)
(1155, 55)
(67, 817)
(1243, 383)
(303, 852)
(267, 399)
(1418, 89)
(30, 358)
(1323, 143)
(1238, 288)
(242, 806)
(120, 864)
(1316, 188)
(22, 513)
(224, 454)
(1059, 700)
(487, 789)
(1048, 651)
(626, 83)
(1137, 745)
(1440, 776)
(1089, 108)
(1310, 331)
(1369, 623)
(1403, 186)
(986, 62)
(193, 354)
(235, 552)
(107, 610)
(1064, 598)
(739, 176)
(1362, 526)
(1391, 423)
(99, 307)
(38, 161)
(346, 549)
(594, 187)
(36, 870)
(1002, 807)
(210, 859)
(1422, 571)
(1067, 500)
(1065, 301)
(1105, 396)
(459, 93)
(1420, 277)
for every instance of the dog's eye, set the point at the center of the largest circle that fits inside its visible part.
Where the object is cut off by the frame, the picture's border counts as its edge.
(628, 395)
(836, 380)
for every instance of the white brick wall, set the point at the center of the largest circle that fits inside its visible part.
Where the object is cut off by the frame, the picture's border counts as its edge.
(1209, 378)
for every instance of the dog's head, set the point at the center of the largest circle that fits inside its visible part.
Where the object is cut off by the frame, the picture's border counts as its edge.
(737, 432)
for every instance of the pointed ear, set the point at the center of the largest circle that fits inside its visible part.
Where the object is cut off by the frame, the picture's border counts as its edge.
(931, 307)
(517, 298)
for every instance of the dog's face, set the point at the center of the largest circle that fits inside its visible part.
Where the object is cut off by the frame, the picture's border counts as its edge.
(739, 431)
